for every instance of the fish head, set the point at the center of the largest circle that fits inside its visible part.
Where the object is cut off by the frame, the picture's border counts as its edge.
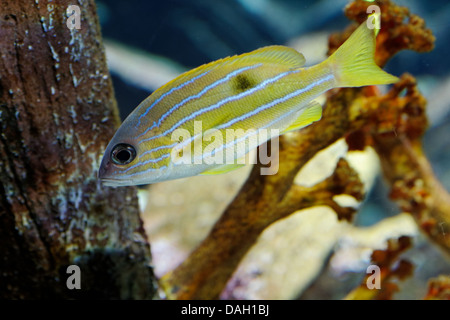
(129, 161)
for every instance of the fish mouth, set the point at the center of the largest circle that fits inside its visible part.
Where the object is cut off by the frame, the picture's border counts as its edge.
(109, 182)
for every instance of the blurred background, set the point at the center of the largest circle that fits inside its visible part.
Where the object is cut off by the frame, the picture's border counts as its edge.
(310, 255)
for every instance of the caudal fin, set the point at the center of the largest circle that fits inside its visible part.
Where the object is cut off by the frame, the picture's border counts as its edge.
(353, 62)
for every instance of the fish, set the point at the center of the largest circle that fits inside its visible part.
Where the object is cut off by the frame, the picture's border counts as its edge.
(266, 89)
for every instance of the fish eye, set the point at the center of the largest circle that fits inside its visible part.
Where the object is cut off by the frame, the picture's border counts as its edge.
(123, 153)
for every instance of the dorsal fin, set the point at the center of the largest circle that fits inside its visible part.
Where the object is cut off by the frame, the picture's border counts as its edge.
(274, 54)
(280, 55)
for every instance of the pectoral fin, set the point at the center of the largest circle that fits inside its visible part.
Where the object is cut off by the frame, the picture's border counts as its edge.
(312, 113)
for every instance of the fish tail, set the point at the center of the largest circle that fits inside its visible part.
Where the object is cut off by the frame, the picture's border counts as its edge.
(353, 62)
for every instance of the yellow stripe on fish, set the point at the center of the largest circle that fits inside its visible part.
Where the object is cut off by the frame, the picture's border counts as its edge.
(266, 89)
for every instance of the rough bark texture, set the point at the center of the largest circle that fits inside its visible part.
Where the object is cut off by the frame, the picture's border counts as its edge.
(57, 113)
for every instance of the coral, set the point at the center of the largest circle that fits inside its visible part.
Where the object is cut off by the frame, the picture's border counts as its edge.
(439, 288)
(389, 266)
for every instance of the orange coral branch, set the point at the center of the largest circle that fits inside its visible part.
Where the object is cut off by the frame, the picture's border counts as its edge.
(401, 29)
(386, 261)
(407, 170)
(399, 123)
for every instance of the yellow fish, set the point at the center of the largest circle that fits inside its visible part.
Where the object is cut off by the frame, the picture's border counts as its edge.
(266, 89)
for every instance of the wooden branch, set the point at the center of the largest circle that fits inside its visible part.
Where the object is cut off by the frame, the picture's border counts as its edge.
(57, 113)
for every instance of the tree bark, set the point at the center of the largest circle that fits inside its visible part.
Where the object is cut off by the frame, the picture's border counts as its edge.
(57, 113)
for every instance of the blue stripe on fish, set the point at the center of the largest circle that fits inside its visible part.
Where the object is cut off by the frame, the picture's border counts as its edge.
(275, 102)
(164, 156)
(261, 86)
(285, 115)
(196, 96)
(264, 107)
(147, 171)
(159, 148)
(168, 93)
